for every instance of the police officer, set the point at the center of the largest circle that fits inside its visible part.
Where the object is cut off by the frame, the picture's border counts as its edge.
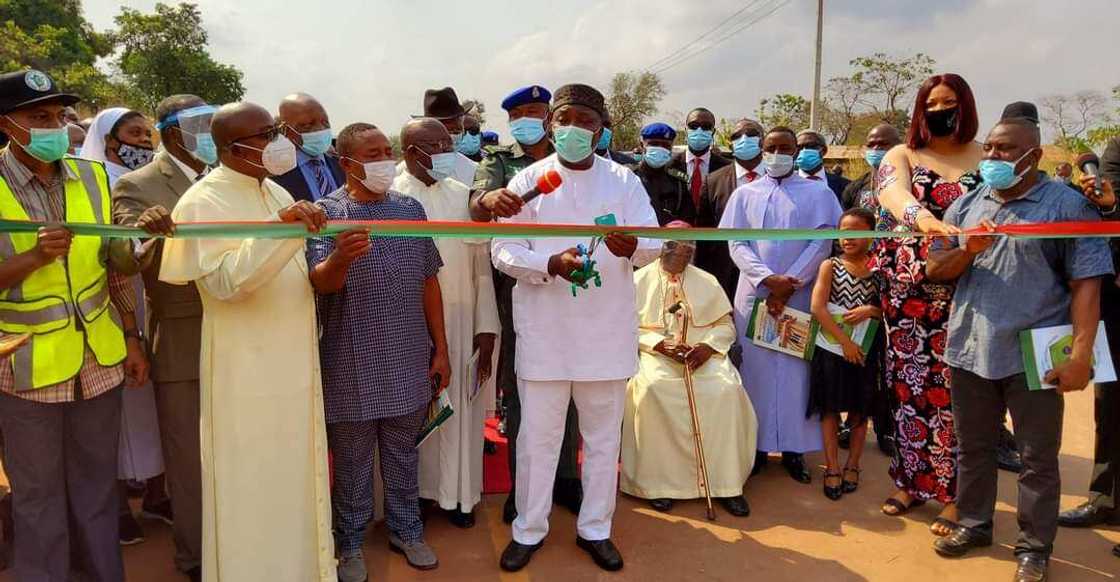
(60, 393)
(667, 187)
(527, 107)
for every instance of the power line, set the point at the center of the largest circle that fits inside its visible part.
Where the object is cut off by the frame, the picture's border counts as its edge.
(674, 54)
(686, 57)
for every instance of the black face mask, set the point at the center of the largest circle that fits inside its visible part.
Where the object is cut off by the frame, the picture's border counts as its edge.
(942, 123)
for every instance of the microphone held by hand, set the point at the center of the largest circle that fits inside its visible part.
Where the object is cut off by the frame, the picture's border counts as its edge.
(548, 182)
(1090, 164)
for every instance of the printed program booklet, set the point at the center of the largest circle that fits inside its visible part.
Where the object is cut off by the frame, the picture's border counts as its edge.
(1046, 347)
(863, 333)
(792, 333)
(438, 412)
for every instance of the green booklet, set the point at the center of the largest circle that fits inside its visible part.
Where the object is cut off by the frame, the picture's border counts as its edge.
(863, 333)
(793, 332)
(438, 412)
(1046, 347)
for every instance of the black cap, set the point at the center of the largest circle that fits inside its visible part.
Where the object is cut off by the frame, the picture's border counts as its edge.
(442, 104)
(578, 94)
(23, 88)
(1021, 109)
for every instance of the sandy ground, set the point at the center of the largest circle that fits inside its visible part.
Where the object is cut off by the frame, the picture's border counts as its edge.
(794, 533)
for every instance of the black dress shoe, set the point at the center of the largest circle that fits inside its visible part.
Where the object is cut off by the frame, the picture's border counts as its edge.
(603, 552)
(844, 437)
(1009, 460)
(1032, 567)
(959, 542)
(760, 460)
(461, 519)
(1087, 515)
(661, 504)
(886, 444)
(795, 466)
(568, 493)
(736, 506)
(516, 556)
(833, 492)
(509, 510)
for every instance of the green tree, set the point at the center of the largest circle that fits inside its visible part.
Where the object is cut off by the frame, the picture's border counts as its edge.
(633, 98)
(887, 82)
(785, 109)
(165, 53)
(841, 109)
(1073, 117)
(1101, 135)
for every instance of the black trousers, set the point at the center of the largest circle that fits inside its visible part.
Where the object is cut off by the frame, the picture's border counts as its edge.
(62, 462)
(568, 467)
(1104, 487)
(978, 413)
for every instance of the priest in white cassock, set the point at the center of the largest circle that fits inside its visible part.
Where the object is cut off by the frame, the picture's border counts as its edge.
(265, 499)
(659, 461)
(583, 348)
(451, 460)
(781, 273)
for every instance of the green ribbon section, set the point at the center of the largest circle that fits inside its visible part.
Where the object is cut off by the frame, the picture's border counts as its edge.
(438, 229)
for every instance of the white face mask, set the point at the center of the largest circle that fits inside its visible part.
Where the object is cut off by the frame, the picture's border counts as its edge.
(379, 175)
(778, 165)
(277, 158)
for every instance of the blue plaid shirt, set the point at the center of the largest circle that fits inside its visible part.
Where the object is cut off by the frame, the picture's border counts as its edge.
(375, 347)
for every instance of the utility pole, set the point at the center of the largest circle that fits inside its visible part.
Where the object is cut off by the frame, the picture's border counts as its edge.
(815, 106)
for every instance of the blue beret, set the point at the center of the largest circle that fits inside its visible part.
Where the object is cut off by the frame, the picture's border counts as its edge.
(490, 136)
(530, 94)
(659, 131)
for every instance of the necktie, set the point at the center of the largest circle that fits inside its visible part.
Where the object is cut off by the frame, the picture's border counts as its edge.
(696, 182)
(321, 179)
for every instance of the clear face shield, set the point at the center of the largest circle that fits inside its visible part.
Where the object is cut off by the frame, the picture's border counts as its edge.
(194, 126)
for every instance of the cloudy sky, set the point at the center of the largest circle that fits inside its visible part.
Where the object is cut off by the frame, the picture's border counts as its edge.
(370, 60)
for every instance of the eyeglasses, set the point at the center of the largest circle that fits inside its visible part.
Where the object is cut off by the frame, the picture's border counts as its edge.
(268, 134)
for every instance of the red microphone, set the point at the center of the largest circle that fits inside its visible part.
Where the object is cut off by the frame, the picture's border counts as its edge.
(548, 182)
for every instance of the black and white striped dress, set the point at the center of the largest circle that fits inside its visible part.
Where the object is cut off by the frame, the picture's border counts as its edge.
(834, 384)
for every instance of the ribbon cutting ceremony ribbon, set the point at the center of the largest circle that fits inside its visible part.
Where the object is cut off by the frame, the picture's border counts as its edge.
(451, 229)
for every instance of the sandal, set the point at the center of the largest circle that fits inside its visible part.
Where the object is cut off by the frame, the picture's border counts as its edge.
(850, 486)
(899, 507)
(833, 493)
(941, 521)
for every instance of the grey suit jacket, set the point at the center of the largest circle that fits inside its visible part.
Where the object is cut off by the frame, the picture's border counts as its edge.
(174, 311)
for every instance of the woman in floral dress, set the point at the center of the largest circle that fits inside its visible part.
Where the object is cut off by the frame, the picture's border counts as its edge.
(919, 180)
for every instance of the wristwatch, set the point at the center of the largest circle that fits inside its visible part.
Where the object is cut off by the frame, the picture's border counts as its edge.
(134, 332)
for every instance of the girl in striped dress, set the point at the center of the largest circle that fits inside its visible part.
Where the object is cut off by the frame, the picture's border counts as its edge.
(845, 384)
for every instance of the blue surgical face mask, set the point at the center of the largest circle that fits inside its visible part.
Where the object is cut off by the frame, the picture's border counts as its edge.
(45, 145)
(699, 139)
(527, 130)
(778, 165)
(1000, 175)
(316, 143)
(656, 157)
(604, 140)
(746, 147)
(874, 157)
(809, 160)
(205, 150)
(469, 144)
(443, 166)
(573, 143)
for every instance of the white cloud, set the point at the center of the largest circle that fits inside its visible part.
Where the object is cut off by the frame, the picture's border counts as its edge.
(371, 61)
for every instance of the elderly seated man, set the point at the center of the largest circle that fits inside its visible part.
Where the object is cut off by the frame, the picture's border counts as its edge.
(685, 320)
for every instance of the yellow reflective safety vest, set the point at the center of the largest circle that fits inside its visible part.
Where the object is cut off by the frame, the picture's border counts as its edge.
(64, 305)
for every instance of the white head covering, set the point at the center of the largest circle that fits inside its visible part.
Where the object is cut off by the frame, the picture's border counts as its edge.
(94, 146)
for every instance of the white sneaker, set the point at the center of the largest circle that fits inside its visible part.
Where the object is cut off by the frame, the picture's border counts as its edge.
(352, 568)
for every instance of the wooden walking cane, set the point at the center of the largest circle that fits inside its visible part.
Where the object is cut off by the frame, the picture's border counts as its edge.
(697, 438)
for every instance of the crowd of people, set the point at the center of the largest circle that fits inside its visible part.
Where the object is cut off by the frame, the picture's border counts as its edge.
(150, 366)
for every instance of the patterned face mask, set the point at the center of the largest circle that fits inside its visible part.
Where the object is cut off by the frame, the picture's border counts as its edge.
(134, 157)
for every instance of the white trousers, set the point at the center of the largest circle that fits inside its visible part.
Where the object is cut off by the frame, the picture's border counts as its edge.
(544, 407)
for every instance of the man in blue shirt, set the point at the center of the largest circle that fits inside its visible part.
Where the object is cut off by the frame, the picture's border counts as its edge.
(382, 346)
(317, 172)
(1005, 286)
